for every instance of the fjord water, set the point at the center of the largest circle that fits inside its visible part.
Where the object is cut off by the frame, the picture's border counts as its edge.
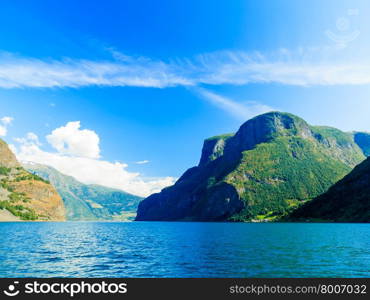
(160, 249)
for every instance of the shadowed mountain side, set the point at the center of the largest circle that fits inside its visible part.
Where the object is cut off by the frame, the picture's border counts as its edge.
(346, 201)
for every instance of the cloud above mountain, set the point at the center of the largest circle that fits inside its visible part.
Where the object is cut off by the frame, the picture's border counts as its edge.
(242, 111)
(72, 140)
(77, 154)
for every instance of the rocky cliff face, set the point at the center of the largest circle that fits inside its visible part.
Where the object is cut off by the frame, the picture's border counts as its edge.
(25, 196)
(213, 148)
(273, 164)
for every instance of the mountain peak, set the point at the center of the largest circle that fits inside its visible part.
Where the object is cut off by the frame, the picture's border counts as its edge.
(7, 158)
(266, 127)
(259, 129)
(272, 124)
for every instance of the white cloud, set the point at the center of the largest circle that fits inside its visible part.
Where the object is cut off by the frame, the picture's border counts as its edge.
(17, 72)
(241, 111)
(30, 139)
(3, 131)
(6, 121)
(302, 67)
(70, 139)
(88, 169)
(142, 162)
(33, 137)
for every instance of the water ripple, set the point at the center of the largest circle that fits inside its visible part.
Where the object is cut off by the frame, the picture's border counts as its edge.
(145, 249)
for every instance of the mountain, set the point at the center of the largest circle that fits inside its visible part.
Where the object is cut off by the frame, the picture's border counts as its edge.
(274, 163)
(346, 201)
(88, 202)
(25, 196)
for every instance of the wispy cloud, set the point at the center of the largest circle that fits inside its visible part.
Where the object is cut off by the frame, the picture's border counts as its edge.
(18, 72)
(6, 120)
(142, 162)
(242, 111)
(300, 67)
(303, 67)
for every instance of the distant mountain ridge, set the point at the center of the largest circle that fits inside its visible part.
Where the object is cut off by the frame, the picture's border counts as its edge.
(85, 202)
(274, 163)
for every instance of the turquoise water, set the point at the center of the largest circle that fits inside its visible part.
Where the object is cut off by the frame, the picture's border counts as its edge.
(159, 249)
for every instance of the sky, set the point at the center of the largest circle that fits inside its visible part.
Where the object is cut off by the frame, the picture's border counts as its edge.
(123, 93)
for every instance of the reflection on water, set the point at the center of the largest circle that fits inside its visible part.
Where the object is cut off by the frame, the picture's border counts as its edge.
(159, 249)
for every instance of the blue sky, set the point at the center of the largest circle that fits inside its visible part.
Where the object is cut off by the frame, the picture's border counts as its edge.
(150, 80)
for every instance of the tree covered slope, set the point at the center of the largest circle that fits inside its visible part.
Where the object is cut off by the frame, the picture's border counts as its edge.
(346, 201)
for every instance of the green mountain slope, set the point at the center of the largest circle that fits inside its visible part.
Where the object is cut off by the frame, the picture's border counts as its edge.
(347, 201)
(88, 202)
(272, 165)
